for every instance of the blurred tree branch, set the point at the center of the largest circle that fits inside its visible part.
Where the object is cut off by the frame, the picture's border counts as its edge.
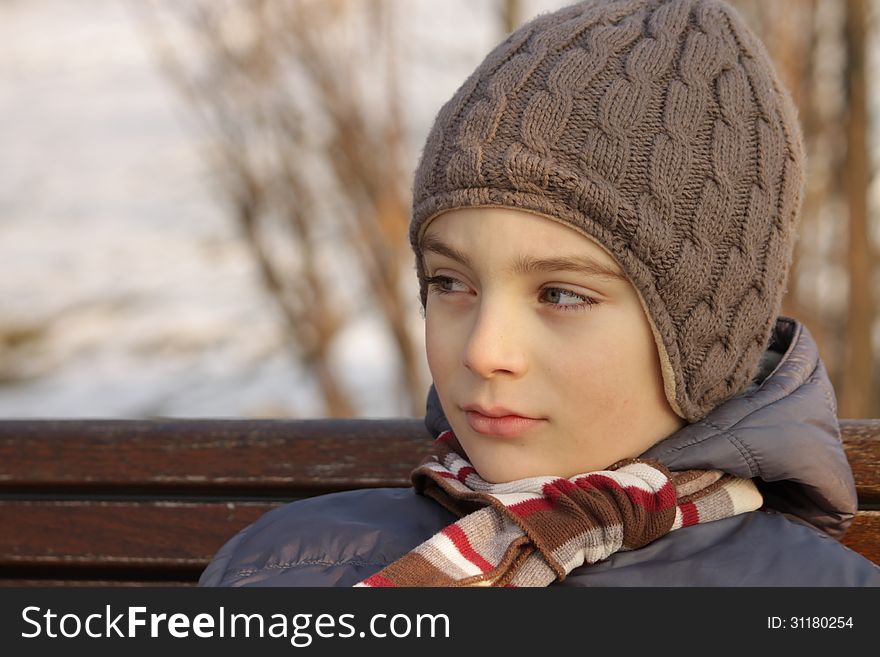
(510, 15)
(307, 131)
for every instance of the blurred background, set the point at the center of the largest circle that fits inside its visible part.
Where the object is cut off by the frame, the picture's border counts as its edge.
(204, 203)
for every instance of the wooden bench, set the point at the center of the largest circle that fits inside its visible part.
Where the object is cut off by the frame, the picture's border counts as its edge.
(149, 502)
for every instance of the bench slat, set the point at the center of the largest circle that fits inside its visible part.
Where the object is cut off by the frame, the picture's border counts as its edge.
(861, 440)
(167, 535)
(247, 456)
(863, 535)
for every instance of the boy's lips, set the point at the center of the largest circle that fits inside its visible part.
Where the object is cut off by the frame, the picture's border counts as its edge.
(497, 411)
(498, 421)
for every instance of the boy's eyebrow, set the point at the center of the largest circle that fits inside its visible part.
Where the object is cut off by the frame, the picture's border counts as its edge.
(528, 265)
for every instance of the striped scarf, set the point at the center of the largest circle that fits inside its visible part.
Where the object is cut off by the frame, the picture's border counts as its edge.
(533, 531)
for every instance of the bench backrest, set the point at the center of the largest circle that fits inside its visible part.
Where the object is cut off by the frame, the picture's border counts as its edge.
(89, 502)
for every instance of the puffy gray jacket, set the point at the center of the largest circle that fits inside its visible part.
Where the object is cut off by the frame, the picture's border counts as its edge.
(782, 431)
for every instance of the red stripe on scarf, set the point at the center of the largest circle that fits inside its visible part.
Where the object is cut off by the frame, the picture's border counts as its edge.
(444, 437)
(464, 472)
(378, 580)
(653, 502)
(689, 514)
(461, 542)
(528, 507)
(557, 488)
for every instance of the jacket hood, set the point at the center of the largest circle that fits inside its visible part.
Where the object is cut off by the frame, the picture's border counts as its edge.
(781, 430)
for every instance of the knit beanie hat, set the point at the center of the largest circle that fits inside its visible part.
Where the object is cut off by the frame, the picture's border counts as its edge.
(660, 130)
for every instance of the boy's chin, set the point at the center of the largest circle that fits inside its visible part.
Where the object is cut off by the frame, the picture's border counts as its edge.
(495, 474)
(490, 471)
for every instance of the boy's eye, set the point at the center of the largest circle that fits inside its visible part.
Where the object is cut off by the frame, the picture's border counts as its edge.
(554, 294)
(439, 284)
(442, 285)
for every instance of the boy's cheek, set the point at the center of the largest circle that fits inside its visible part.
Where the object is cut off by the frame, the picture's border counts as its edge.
(437, 350)
(443, 345)
(593, 374)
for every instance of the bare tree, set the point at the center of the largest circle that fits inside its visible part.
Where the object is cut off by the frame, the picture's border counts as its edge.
(856, 394)
(300, 101)
(510, 15)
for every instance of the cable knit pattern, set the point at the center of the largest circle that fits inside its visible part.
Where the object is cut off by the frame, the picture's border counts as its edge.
(660, 129)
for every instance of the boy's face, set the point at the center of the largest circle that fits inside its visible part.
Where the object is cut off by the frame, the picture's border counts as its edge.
(527, 341)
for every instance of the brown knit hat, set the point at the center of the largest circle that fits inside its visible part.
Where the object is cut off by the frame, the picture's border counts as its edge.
(660, 130)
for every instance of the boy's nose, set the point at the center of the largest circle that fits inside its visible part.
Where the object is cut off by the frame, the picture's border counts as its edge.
(494, 344)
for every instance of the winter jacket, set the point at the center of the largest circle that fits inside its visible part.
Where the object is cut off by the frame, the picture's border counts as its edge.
(782, 431)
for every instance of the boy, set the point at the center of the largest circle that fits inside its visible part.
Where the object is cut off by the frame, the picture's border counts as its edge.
(603, 222)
